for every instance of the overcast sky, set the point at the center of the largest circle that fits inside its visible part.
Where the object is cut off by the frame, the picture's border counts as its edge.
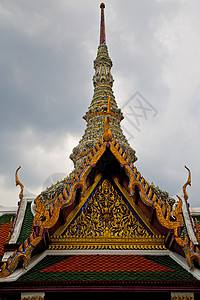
(47, 49)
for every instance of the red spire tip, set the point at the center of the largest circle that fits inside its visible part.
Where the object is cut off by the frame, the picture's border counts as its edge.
(102, 5)
(102, 26)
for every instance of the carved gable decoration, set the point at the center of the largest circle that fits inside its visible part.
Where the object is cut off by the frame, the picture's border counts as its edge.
(106, 215)
(107, 221)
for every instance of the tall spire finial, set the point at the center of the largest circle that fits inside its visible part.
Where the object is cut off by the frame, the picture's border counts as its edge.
(102, 125)
(102, 28)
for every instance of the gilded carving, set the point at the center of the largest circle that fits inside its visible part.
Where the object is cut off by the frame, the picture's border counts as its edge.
(106, 215)
(163, 210)
(17, 181)
(188, 182)
(106, 222)
(44, 220)
(81, 181)
(108, 242)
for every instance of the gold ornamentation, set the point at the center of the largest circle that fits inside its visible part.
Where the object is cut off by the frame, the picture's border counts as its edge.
(182, 296)
(10, 230)
(188, 182)
(112, 243)
(32, 296)
(107, 136)
(191, 252)
(106, 223)
(19, 183)
(22, 253)
(44, 220)
(81, 180)
(163, 210)
(197, 231)
(106, 215)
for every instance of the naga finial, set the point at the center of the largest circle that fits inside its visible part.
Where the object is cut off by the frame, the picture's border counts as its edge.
(107, 136)
(188, 182)
(19, 183)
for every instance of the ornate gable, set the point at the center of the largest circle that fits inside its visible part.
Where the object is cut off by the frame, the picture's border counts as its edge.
(106, 220)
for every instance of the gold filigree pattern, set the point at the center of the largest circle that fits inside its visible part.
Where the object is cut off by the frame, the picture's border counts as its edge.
(155, 242)
(106, 215)
(106, 222)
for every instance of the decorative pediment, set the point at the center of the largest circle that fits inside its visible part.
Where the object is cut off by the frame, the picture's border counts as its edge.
(107, 220)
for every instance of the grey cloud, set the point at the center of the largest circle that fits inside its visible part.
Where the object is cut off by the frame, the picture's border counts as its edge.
(46, 69)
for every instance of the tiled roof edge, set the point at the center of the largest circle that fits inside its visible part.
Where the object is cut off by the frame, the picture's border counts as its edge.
(20, 219)
(7, 210)
(187, 219)
(35, 260)
(183, 263)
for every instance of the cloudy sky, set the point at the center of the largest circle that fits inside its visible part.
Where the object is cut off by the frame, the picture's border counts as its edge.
(47, 50)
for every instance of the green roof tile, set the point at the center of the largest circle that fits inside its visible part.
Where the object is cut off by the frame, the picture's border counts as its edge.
(167, 269)
(6, 218)
(27, 224)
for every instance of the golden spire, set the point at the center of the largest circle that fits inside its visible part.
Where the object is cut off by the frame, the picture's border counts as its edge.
(102, 27)
(95, 116)
(107, 136)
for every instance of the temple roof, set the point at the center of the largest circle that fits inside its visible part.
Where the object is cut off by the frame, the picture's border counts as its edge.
(105, 204)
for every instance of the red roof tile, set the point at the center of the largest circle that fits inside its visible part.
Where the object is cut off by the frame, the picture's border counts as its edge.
(4, 231)
(106, 263)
